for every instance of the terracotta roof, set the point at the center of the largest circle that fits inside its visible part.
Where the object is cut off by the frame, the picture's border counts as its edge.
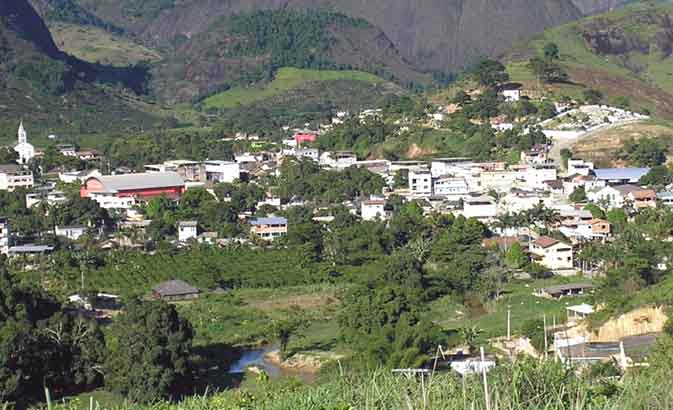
(644, 194)
(546, 241)
(598, 221)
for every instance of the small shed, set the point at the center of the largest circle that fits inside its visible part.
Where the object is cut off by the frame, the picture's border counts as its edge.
(559, 291)
(175, 290)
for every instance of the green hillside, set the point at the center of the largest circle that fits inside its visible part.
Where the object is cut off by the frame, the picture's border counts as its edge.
(626, 53)
(286, 79)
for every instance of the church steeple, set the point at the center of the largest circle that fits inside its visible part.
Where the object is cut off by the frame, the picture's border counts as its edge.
(23, 136)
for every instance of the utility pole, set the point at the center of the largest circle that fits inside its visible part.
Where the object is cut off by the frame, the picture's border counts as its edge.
(546, 346)
(483, 372)
(509, 323)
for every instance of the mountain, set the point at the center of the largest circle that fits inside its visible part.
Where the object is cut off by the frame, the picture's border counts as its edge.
(50, 89)
(625, 54)
(435, 35)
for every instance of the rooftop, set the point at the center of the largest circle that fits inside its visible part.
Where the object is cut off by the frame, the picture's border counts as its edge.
(546, 241)
(125, 182)
(175, 288)
(620, 173)
(269, 221)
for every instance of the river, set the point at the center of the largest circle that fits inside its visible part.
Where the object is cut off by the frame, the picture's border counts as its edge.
(256, 358)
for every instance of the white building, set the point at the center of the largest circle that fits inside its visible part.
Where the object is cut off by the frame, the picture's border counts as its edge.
(517, 201)
(187, 230)
(5, 236)
(110, 200)
(534, 176)
(451, 187)
(498, 180)
(617, 196)
(77, 176)
(579, 167)
(51, 198)
(450, 166)
(339, 159)
(512, 95)
(25, 150)
(551, 253)
(420, 182)
(373, 209)
(73, 232)
(481, 207)
(13, 177)
(222, 171)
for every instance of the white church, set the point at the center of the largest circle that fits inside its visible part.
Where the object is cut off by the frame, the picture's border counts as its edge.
(25, 150)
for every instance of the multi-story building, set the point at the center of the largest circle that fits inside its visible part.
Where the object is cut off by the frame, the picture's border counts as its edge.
(498, 180)
(579, 167)
(551, 253)
(535, 176)
(13, 177)
(420, 182)
(454, 187)
(269, 228)
(5, 236)
(122, 191)
(222, 171)
(480, 207)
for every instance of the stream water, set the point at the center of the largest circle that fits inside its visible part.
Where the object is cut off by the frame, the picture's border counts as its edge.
(255, 358)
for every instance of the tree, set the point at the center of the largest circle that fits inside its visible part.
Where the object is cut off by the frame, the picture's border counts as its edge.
(490, 73)
(596, 211)
(592, 96)
(547, 71)
(515, 257)
(578, 195)
(551, 51)
(646, 152)
(470, 336)
(150, 354)
(658, 175)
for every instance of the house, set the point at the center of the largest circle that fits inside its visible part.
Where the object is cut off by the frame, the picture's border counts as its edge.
(579, 312)
(450, 166)
(30, 250)
(617, 196)
(72, 232)
(13, 176)
(187, 230)
(77, 176)
(189, 171)
(50, 197)
(222, 171)
(304, 138)
(559, 291)
(373, 209)
(447, 186)
(551, 253)
(518, 200)
(5, 236)
(666, 198)
(338, 159)
(480, 207)
(579, 167)
(420, 182)
(511, 92)
(175, 290)
(498, 180)
(122, 191)
(618, 176)
(625, 352)
(578, 229)
(535, 176)
(269, 228)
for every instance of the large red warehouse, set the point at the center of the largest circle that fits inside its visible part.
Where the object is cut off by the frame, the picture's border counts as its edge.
(145, 185)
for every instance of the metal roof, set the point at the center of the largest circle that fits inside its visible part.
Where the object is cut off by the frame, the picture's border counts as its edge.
(146, 180)
(269, 221)
(175, 288)
(620, 173)
(30, 248)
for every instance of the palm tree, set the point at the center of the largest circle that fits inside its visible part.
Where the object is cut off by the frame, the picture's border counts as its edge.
(470, 336)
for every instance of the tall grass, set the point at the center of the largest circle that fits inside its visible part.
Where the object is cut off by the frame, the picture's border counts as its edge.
(524, 385)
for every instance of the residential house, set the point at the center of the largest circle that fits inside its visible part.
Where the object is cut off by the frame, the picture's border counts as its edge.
(222, 171)
(29, 250)
(580, 230)
(579, 167)
(666, 198)
(373, 209)
(451, 187)
(175, 290)
(450, 167)
(420, 182)
(72, 232)
(535, 176)
(269, 228)
(551, 253)
(480, 207)
(73, 177)
(187, 230)
(518, 200)
(560, 291)
(189, 171)
(498, 180)
(338, 159)
(14, 176)
(303, 138)
(618, 196)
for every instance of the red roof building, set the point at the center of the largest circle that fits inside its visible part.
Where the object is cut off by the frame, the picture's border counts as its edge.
(300, 138)
(144, 185)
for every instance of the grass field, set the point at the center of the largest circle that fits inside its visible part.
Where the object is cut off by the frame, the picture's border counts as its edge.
(492, 318)
(97, 45)
(286, 79)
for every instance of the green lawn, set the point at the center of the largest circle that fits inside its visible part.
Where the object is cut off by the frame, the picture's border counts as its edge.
(492, 318)
(286, 79)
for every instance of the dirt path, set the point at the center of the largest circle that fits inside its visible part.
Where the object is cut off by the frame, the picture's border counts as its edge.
(559, 144)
